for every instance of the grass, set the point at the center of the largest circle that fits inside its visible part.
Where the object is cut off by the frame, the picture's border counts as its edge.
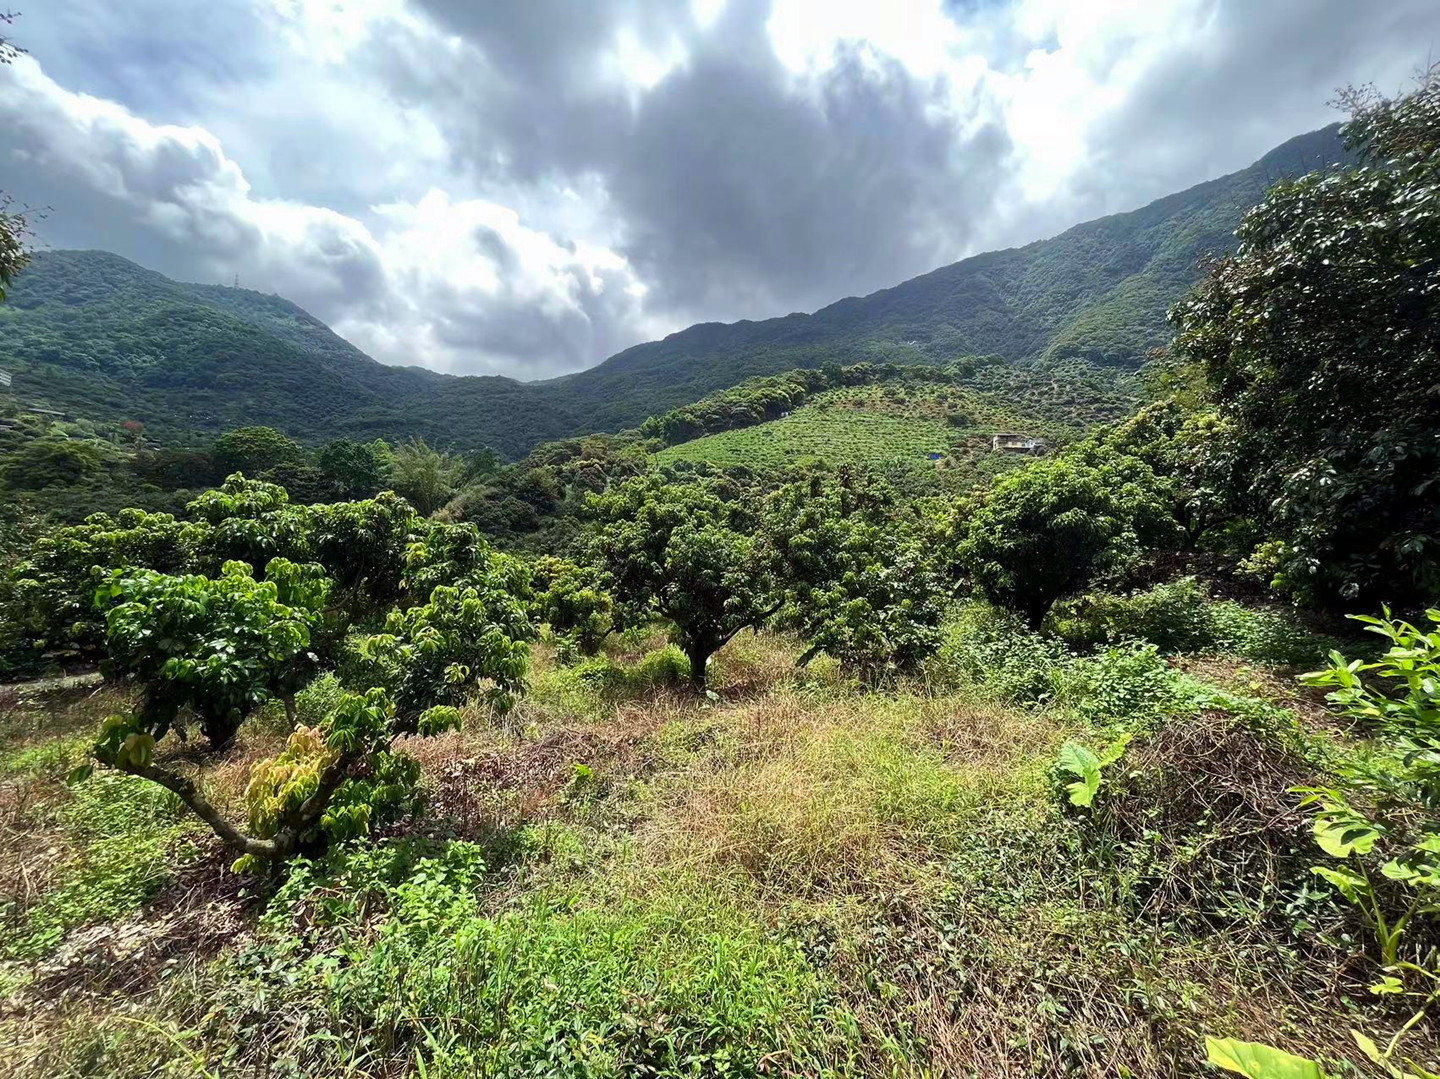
(797, 878)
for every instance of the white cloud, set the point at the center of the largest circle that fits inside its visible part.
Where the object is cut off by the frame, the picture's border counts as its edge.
(526, 188)
(453, 284)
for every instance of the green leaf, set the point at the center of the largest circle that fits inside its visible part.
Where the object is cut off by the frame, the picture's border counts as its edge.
(1387, 986)
(80, 774)
(1345, 835)
(1258, 1061)
(1076, 760)
(1351, 885)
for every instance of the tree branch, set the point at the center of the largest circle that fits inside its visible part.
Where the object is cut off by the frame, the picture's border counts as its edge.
(283, 843)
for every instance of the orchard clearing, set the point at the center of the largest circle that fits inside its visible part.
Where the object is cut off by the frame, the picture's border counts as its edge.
(796, 876)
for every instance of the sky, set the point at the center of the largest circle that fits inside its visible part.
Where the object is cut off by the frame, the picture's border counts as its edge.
(525, 187)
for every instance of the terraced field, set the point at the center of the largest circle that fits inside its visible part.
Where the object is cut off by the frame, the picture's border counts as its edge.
(867, 426)
(827, 434)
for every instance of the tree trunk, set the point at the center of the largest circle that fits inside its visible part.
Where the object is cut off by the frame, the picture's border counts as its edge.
(1035, 613)
(699, 658)
(289, 701)
(284, 843)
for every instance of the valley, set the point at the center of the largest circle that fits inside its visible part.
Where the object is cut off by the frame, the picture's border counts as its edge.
(1031, 669)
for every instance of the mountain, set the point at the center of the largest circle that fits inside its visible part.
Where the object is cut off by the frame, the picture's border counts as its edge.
(1097, 294)
(92, 333)
(95, 334)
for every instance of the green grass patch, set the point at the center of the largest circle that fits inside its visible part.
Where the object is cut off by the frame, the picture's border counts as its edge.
(681, 979)
(128, 838)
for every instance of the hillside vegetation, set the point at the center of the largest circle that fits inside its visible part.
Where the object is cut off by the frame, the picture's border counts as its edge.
(880, 427)
(94, 335)
(615, 762)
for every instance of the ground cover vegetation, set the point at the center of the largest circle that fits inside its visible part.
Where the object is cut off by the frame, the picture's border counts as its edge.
(617, 763)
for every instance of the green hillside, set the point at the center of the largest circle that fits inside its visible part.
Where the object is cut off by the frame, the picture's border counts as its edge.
(1062, 322)
(886, 426)
(1091, 302)
(96, 335)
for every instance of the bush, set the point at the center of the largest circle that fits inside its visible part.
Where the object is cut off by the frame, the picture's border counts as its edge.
(1128, 684)
(989, 650)
(1181, 617)
(1174, 617)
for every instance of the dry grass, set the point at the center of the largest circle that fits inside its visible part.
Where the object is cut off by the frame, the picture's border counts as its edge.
(823, 798)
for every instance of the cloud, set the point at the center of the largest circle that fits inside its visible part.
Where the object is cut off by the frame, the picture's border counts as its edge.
(527, 188)
(457, 285)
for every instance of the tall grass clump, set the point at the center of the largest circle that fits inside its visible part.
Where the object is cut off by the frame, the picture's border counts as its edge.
(835, 798)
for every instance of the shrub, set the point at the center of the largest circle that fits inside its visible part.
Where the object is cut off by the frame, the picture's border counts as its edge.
(1175, 617)
(215, 647)
(1045, 531)
(1129, 684)
(570, 598)
(54, 585)
(991, 651)
(1181, 617)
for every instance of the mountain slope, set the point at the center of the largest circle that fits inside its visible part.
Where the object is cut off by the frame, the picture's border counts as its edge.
(93, 333)
(1098, 293)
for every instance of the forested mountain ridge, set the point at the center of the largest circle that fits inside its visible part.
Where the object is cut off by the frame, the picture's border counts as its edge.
(1097, 293)
(95, 333)
(91, 332)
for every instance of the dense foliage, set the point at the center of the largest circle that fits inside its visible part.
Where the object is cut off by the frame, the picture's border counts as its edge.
(1319, 339)
(688, 553)
(1046, 531)
(858, 580)
(216, 648)
(206, 642)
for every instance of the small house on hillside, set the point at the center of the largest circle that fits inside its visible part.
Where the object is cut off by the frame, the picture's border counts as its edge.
(1016, 443)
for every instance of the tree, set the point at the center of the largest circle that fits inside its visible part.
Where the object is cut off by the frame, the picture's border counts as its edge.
(55, 583)
(1045, 531)
(254, 449)
(14, 227)
(1320, 340)
(686, 553)
(468, 636)
(14, 231)
(858, 582)
(424, 476)
(572, 600)
(1180, 445)
(355, 469)
(250, 521)
(50, 462)
(304, 483)
(215, 647)
(363, 546)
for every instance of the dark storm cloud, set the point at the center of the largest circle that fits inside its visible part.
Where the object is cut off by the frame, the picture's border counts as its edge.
(529, 187)
(741, 190)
